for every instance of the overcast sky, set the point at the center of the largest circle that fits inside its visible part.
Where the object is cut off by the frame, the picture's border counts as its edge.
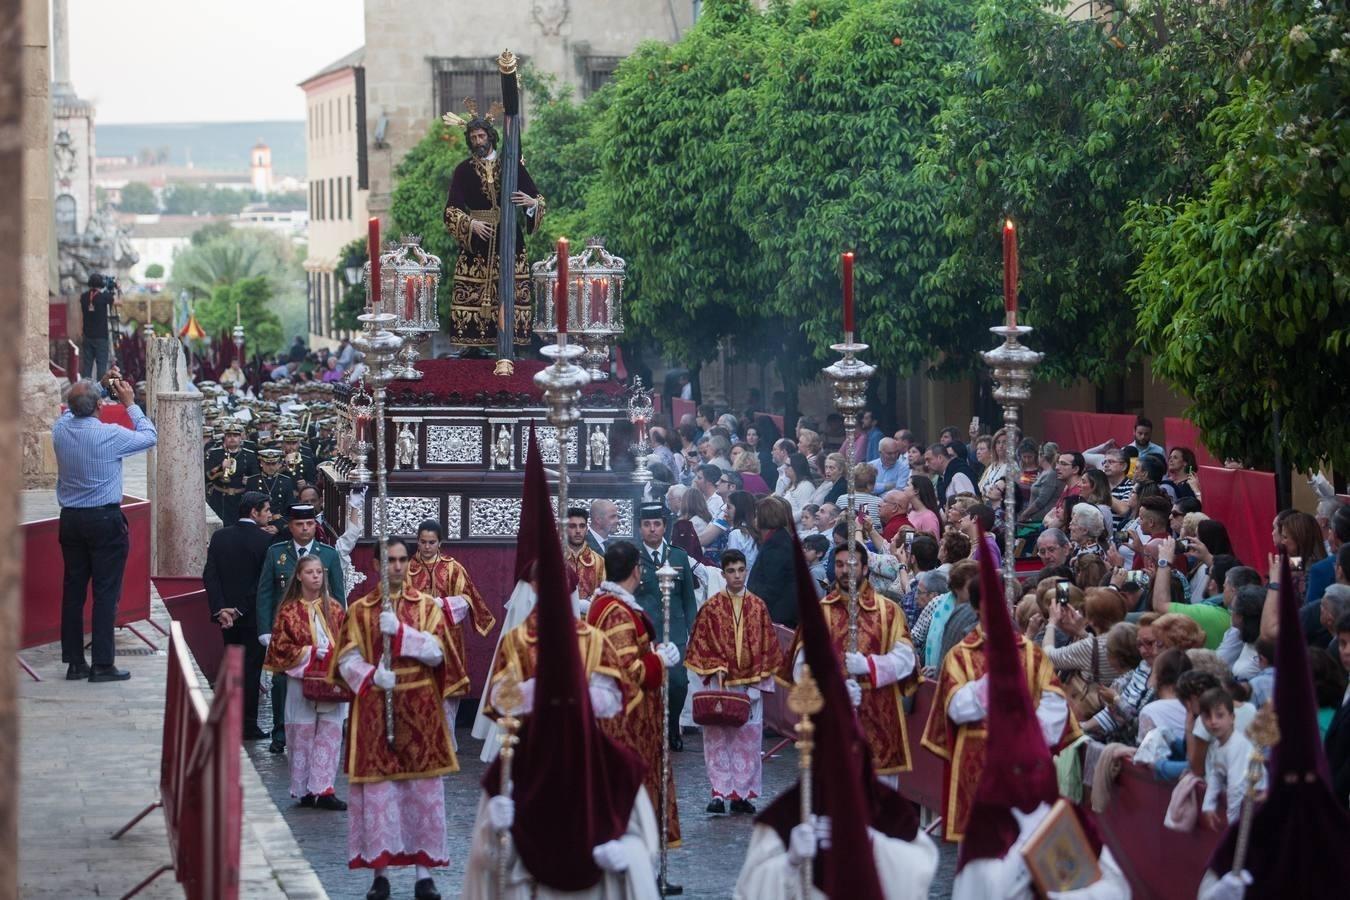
(205, 60)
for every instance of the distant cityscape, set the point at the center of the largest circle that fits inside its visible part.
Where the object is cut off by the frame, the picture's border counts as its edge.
(213, 146)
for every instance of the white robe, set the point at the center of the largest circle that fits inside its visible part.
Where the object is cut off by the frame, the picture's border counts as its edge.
(637, 883)
(905, 869)
(1008, 878)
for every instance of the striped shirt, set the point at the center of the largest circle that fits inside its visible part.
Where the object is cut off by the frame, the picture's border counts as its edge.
(89, 457)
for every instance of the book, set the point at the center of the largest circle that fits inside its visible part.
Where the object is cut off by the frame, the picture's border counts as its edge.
(1058, 854)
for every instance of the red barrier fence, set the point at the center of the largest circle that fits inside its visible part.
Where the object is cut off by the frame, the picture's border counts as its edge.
(1181, 433)
(1244, 501)
(199, 787)
(185, 600)
(42, 577)
(1080, 430)
(1160, 864)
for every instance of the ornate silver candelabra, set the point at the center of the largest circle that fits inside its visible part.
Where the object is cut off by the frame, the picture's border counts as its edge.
(1012, 366)
(594, 301)
(409, 278)
(562, 383)
(361, 409)
(850, 376)
(640, 411)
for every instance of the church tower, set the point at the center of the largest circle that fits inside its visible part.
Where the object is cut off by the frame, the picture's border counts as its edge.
(260, 168)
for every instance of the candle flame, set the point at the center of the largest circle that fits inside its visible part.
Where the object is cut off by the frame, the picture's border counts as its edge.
(1008, 225)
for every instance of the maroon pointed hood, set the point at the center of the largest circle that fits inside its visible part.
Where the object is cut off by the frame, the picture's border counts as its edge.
(844, 788)
(532, 529)
(1018, 771)
(574, 787)
(1299, 834)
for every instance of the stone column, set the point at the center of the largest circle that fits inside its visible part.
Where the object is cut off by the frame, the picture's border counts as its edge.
(61, 83)
(36, 243)
(181, 534)
(174, 469)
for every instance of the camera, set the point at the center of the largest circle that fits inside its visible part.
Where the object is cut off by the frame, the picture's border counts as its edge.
(1062, 592)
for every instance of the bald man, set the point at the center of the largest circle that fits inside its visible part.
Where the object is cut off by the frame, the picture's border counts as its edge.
(892, 467)
(893, 510)
(604, 519)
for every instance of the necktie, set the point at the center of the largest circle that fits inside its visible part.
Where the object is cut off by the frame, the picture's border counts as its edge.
(656, 557)
(302, 551)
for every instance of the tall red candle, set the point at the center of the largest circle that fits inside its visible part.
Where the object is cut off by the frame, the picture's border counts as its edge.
(373, 248)
(848, 292)
(410, 310)
(562, 303)
(1010, 272)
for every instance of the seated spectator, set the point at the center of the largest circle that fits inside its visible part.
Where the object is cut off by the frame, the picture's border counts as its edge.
(1090, 571)
(747, 466)
(799, 488)
(992, 454)
(923, 507)
(915, 557)
(1118, 720)
(933, 618)
(892, 468)
(953, 548)
(1165, 711)
(918, 465)
(1328, 685)
(892, 509)
(1226, 763)
(816, 548)
(980, 518)
(1238, 648)
(1086, 652)
(806, 523)
(1338, 732)
(835, 482)
(332, 372)
(826, 517)
(1152, 469)
(1097, 491)
(1323, 572)
(952, 471)
(1087, 531)
(1262, 684)
(864, 501)
(1335, 604)
(1069, 469)
(1045, 490)
(810, 446)
(694, 509)
(1182, 469)
(1169, 596)
(1052, 549)
(1178, 632)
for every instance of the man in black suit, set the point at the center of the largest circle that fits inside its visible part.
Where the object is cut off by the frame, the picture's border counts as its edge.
(653, 554)
(234, 559)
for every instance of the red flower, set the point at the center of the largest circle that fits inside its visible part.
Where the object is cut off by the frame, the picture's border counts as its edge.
(896, 41)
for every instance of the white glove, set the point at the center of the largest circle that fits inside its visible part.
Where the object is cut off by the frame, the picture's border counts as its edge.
(854, 691)
(611, 856)
(456, 607)
(823, 829)
(501, 812)
(856, 664)
(388, 623)
(1027, 822)
(264, 639)
(669, 653)
(384, 679)
(802, 844)
(982, 691)
(752, 693)
(1230, 887)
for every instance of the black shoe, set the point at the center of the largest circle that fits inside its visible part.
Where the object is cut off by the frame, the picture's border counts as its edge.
(742, 806)
(668, 889)
(379, 889)
(676, 744)
(255, 734)
(330, 801)
(77, 672)
(276, 747)
(425, 889)
(108, 673)
(717, 806)
(306, 801)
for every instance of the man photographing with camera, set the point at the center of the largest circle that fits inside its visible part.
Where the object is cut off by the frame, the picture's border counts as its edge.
(93, 530)
(96, 307)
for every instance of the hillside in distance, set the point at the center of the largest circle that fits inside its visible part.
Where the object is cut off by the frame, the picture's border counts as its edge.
(212, 146)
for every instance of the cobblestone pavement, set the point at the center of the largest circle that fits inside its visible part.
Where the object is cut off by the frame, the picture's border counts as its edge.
(706, 865)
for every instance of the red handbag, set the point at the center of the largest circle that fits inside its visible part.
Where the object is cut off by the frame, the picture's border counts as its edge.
(728, 709)
(316, 687)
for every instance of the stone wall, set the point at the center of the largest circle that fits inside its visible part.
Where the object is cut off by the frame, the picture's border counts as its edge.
(404, 36)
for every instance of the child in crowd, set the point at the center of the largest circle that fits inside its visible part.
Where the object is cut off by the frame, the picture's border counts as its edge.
(1262, 684)
(1226, 763)
(814, 548)
(733, 647)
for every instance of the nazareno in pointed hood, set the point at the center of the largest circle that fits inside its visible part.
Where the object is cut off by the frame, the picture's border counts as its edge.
(1301, 831)
(573, 787)
(843, 786)
(1018, 771)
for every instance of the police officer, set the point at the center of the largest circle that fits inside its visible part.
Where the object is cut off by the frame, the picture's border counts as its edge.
(653, 553)
(228, 468)
(276, 484)
(277, 570)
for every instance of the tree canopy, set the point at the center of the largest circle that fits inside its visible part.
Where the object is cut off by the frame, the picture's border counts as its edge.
(138, 197)
(253, 297)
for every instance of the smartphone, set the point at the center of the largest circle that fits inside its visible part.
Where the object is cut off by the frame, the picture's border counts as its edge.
(1296, 563)
(909, 540)
(1122, 536)
(975, 423)
(1062, 593)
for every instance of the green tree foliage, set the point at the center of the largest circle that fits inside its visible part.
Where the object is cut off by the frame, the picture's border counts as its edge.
(232, 255)
(154, 270)
(285, 201)
(195, 200)
(1060, 124)
(254, 297)
(137, 197)
(1243, 289)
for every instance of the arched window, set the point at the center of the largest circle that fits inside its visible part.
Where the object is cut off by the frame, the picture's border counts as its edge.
(65, 212)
